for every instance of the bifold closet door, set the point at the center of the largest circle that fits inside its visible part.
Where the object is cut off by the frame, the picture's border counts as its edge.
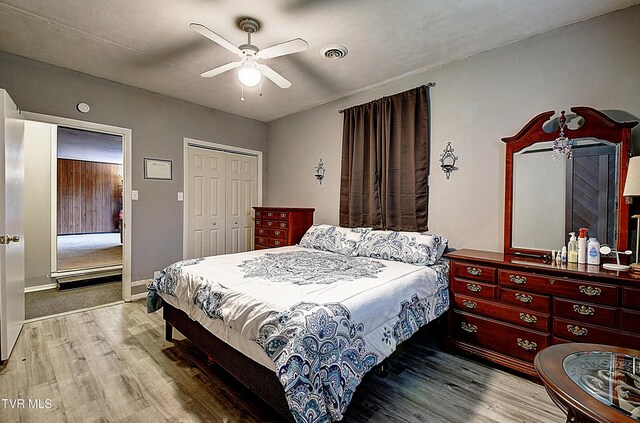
(242, 195)
(206, 202)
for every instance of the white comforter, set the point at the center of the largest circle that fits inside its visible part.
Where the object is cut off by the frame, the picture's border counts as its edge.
(324, 319)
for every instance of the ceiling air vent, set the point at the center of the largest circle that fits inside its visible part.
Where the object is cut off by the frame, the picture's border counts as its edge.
(334, 52)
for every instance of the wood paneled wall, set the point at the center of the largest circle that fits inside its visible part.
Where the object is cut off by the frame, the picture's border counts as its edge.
(88, 197)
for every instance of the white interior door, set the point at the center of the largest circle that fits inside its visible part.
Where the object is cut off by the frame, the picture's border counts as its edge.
(11, 225)
(242, 195)
(205, 202)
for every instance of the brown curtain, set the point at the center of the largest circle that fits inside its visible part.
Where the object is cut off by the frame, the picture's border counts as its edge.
(385, 163)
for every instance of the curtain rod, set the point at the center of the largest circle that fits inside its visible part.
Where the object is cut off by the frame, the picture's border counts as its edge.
(428, 84)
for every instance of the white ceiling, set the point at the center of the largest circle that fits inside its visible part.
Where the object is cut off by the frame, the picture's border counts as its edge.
(148, 43)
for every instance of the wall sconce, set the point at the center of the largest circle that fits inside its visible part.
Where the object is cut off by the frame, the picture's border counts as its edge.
(320, 171)
(448, 160)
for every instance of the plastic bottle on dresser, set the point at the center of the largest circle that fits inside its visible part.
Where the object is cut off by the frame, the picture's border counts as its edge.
(582, 246)
(572, 249)
(593, 251)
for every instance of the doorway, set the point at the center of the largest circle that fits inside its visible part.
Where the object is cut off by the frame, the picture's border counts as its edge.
(80, 220)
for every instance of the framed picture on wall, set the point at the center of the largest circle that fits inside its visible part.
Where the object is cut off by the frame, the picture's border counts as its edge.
(158, 169)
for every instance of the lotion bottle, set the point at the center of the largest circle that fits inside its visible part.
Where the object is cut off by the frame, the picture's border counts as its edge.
(572, 249)
(582, 246)
(593, 251)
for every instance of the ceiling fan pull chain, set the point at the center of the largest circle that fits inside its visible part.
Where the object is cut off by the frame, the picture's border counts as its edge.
(242, 96)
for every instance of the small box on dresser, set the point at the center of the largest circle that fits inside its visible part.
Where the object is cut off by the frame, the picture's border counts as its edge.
(507, 308)
(281, 226)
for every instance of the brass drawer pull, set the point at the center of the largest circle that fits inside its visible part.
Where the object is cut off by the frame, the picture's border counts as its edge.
(474, 271)
(519, 280)
(474, 287)
(577, 330)
(469, 327)
(590, 291)
(527, 318)
(527, 345)
(584, 310)
(523, 298)
(469, 304)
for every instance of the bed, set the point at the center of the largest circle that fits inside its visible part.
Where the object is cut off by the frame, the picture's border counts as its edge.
(301, 325)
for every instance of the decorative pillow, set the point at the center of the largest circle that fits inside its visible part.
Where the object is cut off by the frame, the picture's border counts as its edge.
(422, 248)
(333, 239)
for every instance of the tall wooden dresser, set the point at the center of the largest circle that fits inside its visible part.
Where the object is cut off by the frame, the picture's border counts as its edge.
(281, 226)
(506, 308)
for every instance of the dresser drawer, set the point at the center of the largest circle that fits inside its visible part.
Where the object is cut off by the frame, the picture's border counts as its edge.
(630, 321)
(259, 214)
(269, 214)
(277, 242)
(278, 233)
(262, 231)
(474, 271)
(584, 332)
(527, 318)
(282, 224)
(474, 288)
(258, 222)
(580, 290)
(283, 215)
(631, 297)
(525, 299)
(500, 337)
(270, 223)
(585, 312)
(263, 241)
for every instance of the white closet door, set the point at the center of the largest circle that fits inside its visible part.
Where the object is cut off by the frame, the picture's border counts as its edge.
(242, 195)
(206, 203)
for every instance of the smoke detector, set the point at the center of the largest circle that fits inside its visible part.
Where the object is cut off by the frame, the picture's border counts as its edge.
(334, 52)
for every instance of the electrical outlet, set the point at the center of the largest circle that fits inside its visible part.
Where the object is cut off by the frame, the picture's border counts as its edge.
(134, 194)
(180, 196)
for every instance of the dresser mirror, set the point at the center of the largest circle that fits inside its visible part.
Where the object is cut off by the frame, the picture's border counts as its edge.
(562, 177)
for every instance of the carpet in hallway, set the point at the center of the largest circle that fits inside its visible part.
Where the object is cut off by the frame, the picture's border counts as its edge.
(52, 301)
(89, 251)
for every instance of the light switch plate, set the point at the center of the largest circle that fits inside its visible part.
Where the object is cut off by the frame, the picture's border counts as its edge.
(180, 196)
(134, 194)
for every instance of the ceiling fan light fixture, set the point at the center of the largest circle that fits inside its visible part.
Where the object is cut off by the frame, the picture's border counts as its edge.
(249, 75)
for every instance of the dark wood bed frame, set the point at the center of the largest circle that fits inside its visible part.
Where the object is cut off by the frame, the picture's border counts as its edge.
(258, 379)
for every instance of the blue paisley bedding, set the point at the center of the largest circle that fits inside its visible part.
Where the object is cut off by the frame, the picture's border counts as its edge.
(323, 319)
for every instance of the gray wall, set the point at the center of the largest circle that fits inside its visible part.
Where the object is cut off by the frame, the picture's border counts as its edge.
(158, 125)
(476, 102)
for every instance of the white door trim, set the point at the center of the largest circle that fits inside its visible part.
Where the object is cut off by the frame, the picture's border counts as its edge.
(125, 133)
(191, 142)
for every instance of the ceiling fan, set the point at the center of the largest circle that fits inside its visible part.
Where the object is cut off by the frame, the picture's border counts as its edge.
(250, 73)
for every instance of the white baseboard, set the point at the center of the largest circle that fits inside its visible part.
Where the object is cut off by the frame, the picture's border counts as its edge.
(140, 282)
(40, 287)
(139, 296)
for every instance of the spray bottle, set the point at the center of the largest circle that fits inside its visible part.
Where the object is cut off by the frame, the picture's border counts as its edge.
(582, 246)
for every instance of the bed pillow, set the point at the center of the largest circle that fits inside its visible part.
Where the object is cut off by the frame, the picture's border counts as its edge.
(421, 248)
(334, 239)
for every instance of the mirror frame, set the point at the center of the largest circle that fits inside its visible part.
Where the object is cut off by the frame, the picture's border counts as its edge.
(595, 125)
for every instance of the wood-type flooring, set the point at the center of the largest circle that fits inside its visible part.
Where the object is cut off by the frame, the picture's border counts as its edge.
(112, 364)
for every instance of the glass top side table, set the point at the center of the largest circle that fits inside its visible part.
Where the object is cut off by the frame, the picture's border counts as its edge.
(591, 382)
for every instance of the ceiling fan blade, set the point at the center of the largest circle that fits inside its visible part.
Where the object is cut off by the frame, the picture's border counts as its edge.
(220, 69)
(203, 30)
(288, 47)
(278, 79)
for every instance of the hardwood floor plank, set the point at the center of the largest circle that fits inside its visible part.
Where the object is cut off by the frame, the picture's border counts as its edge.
(113, 365)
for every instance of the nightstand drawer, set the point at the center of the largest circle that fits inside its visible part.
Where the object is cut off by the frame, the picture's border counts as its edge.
(474, 271)
(278, 233)
(474, 288)
(500, 337)
(585, 312)
(580, 290)
(525, 299)
(526, 318)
